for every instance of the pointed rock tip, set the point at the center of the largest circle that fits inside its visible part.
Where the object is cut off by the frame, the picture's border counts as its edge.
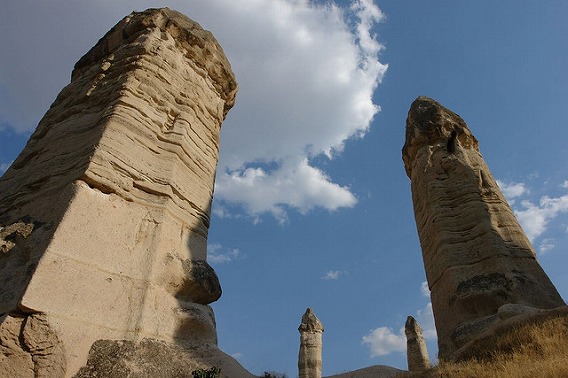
(431, 124)
(310, 322)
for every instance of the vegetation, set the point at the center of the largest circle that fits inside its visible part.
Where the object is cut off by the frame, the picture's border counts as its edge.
(541, 351)
(271, 374)
(214, 372)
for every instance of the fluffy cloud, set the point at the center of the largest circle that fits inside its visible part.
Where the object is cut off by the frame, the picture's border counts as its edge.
(304, 91)
(306, 70)
(512, 190)
(535, 218)
(384, 340)
(294, 184)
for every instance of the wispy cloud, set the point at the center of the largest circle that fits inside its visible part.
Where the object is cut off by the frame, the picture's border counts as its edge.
(217, 254)
(424, 289)
(384, 340)
(4, 167)
(546, 245)
(333, 275)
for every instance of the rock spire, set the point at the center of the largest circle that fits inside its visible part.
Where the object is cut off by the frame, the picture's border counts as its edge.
(476, 256)
(104, 215)
(416, 352)
(309, 358)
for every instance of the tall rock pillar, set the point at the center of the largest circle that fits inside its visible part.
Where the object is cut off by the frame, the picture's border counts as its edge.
(309, 358)
(104, 215)
(416, 351)
(476, 256)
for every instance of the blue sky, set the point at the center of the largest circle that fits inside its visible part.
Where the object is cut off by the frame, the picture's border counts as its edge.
(313, 207)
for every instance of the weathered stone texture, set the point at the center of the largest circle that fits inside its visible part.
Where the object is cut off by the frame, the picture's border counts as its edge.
(310, 356)
(30, 348)
(476, 256)
(104, 215)
(416, 352)
(152, 358)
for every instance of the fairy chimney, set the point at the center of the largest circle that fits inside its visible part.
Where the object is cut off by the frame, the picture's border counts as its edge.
(104, 215)
(416, 351)
(476, 256)
(309, 358)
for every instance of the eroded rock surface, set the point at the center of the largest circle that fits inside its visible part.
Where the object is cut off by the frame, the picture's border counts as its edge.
(30, 348)
(104, 215)
(310, 356)
(476, 256)
(416, 351)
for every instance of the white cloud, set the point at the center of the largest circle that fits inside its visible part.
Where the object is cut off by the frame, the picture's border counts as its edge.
(383, 340)
(424, 289)
(512, 190)
(565, 184)
(237, 355)
(425, 318)
(295, 184)
(306, 89)
(217, 254)
(333, 275)
(535, 218)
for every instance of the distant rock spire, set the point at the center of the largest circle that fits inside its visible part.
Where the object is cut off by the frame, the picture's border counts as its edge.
(416, 352)
(476, 256)
(309, 358)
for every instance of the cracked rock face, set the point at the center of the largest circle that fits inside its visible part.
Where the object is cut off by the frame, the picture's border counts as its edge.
(104, 215)
(476, 256)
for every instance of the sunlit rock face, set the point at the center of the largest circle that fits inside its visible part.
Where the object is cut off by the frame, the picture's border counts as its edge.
(310, 355)
(104, 215)
(476, 256)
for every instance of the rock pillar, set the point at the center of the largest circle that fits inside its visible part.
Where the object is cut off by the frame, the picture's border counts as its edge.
(476, 256)
(416, 352)
(104, 215)
(309, 358)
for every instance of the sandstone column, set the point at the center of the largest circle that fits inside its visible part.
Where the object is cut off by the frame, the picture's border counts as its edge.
(476, 256)
(104, 215)
(416, 352)
(309, 358)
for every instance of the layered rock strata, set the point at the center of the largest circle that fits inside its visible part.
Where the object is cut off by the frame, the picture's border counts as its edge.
(309, 358)
(104, 215)
(416, 351)
(476, 256)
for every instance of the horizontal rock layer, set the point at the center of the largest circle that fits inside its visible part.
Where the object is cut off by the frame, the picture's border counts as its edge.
(116, 186)
(476, 256)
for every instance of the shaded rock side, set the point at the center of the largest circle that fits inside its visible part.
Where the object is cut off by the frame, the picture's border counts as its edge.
(153, 358)
(310, 356)
(416, 351)
(476, 256)
(104, 215)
